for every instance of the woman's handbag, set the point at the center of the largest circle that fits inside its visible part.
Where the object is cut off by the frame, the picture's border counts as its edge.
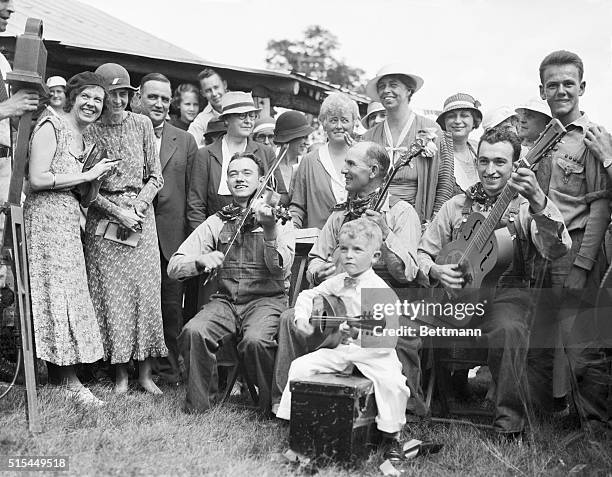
(88, 191)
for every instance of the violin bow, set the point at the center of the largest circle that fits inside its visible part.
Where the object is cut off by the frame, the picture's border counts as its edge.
(260, 190)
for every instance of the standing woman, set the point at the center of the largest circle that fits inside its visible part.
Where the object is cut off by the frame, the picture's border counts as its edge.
(460, 117)
(185, 105)
(125, 280)
(292, 129)
(319, 182)
(66, 331)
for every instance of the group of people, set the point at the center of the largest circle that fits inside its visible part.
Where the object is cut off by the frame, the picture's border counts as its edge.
(166, 267)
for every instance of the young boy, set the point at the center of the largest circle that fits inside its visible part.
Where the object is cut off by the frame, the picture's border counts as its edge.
(359, 244)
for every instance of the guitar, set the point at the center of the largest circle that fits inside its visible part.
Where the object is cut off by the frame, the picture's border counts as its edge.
(328, 312)
(481, 251)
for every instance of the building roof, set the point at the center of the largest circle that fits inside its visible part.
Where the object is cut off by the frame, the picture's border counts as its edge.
(76, 24)
(80, 36)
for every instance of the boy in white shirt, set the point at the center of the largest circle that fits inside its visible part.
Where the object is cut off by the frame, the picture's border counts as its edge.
(359, 244)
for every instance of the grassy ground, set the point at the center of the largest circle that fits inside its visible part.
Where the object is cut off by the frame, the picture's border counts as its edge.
(139, 434)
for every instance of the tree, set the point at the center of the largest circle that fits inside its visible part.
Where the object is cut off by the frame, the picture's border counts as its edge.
(314, 56)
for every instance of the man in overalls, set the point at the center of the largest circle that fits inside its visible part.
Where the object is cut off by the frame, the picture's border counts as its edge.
(253, 278)
(538, 230)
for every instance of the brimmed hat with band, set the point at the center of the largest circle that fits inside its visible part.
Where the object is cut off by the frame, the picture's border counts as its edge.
(497, 116)
(373, 108)
(264, 124)
(537, 105)
(115, 76)
(237, 102)
(461, 101)
(393, 69)
(291, 125)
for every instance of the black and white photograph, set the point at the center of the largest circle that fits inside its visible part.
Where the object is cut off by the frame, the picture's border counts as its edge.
(297, 238)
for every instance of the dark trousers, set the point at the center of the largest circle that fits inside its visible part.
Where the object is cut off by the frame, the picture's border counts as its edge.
(292, 344)
(522, 375)
(255, 323)
(172, 315)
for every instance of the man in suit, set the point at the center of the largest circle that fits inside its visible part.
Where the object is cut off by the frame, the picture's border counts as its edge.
(177, 150)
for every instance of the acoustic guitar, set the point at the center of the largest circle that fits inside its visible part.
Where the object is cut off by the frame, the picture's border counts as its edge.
(482, 251)
(328, 312)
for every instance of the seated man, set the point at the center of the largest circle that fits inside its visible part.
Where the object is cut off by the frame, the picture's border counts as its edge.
(538, 228)
(365, 169)
(253, 276)
(359, 247)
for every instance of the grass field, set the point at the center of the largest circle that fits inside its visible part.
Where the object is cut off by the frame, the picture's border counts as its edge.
(140, 434)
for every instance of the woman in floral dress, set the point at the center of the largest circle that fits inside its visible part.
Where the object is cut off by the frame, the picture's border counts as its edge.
(66, 331)
(125, 280)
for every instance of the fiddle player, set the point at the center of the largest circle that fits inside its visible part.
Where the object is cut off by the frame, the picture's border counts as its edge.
(253, 277)
(539, 230)
(365, 169)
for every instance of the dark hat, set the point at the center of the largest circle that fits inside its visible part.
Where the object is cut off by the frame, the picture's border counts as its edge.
(115, 76)
(215, 126)
(461, 101)
(86, 78)
(291, 125)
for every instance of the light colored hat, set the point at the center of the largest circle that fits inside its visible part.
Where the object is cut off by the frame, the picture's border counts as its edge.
(265, 123)
(393, 69)
(496, 116)
(115, 76)
(237, 102)
(53, 81)
(460, 101)
(373, 108)
(537, 105)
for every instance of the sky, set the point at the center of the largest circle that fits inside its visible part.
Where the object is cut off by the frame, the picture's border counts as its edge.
(488, 48)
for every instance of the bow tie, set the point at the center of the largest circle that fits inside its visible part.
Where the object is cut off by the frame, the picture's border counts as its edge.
(158, 131)
(350, 282)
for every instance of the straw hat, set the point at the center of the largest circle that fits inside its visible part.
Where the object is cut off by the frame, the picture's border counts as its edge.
(393, 69)
(461, 101)
(237, 102)
(264, 124)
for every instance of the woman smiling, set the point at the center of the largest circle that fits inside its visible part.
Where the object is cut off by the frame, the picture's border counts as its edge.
(65, 327)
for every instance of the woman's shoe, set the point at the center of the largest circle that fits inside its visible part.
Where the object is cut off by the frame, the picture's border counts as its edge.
(84, 396)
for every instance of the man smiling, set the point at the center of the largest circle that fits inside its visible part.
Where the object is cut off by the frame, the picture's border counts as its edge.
(177, 150)
(212, 87)
(538, 227)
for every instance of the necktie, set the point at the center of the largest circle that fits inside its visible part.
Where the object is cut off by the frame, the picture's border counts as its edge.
(3, 93)
(350, 282)
(158, 131)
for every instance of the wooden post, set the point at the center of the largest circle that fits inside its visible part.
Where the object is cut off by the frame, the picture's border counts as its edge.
(28, 73)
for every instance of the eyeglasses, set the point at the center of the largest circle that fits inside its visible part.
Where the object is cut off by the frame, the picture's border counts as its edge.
(252, 116)
(264, 137)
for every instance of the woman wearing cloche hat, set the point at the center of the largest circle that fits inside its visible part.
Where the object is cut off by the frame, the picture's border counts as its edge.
(428, 182)
(534, 115)
(460, 117)
(208, 192)
(121, 248)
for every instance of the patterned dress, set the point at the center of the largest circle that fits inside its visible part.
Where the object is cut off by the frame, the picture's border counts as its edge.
(125, 281)
(65, 327)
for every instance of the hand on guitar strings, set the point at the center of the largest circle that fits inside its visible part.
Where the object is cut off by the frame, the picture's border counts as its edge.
(379, 219)
(448, 275)
(304, 327)
(523, 181)
(210, 261)
(347, 332)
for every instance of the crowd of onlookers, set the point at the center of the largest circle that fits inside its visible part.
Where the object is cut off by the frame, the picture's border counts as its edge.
(139, 257)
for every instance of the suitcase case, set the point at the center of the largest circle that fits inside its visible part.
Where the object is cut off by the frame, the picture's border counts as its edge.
(333, 415)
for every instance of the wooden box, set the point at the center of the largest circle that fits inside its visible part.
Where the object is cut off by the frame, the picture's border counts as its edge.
(333, 415)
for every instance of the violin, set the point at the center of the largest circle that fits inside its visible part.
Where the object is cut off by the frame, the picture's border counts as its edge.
(266, 193)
